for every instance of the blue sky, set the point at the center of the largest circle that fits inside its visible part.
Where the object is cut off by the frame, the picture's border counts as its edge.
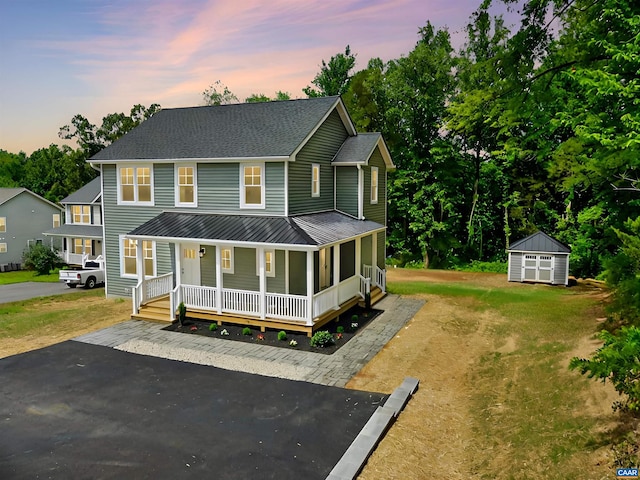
(94, 57)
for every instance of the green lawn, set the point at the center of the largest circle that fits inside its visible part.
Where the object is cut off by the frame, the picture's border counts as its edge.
(26, 276)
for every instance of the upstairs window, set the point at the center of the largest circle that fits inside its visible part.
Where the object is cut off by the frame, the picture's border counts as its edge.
(81, 213)
(3, 224)
(252, 186)
(374, 184)
(56, 220)
(186, 185)
(135, 185)
(315, 180)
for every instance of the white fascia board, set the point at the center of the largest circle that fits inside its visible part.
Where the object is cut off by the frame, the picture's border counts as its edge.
(229, 243)
(534, 252)
(276, 158)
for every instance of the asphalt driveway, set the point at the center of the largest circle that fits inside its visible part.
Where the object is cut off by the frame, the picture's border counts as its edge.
(75, 410)
(23, 291)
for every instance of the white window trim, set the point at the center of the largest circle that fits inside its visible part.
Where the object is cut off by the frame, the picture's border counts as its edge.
(135, 183)
(3, 247)
(374, 199)
(178, 203)
(121, 252)
(268, 273)
(82, 214)
(232, 260)
(263, 182)
(314, 167)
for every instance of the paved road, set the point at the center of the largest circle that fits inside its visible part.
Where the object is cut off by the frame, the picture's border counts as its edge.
(23, 291)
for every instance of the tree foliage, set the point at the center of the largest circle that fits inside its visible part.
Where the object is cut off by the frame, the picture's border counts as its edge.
(41, 258)
(334, 76)
(218, 94)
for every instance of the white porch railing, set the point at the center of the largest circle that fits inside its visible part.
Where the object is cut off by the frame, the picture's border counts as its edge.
(240, 301)
(286, 307)
(381, 278)
(194, 296)
(367, 271)
(151, 288)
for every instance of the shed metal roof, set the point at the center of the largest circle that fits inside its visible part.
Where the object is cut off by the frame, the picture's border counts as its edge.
(305, 230)
(539, 242)
(245, 130)
(89, 193)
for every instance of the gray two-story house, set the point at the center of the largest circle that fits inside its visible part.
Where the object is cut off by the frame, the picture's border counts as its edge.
(269, 214)
(80, 236)
(24, 215)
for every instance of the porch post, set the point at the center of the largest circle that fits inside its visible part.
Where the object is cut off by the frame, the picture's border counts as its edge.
(219, 279)
(374, 253)
(309, 288)
(140, 269)
(359, 256)
(178, 256)
(286, 272)
(336, 275)
(263, 283)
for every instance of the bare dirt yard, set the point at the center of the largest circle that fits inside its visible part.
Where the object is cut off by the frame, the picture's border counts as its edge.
(441, 434)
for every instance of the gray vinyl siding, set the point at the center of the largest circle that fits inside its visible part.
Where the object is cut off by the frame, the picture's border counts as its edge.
(163, 185)
(382, 238)
(208, 266)
(347, 190)
(365, 251)
(244, 271)
(121, 220)
(277, 284)
(320, 149)
(376, 211)
(297, 273)
(515, 267)
(219, 189)
(560, 269)
(27, 217)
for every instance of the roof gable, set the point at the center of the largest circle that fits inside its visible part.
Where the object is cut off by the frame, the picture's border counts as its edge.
(7, 194)
(238, 131)
(358, 150)
(539, 242)
(89, 193)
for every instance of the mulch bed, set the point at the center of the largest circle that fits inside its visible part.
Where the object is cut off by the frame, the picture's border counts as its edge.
(343, 330)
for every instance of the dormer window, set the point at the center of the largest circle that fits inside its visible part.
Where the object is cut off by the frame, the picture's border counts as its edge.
(81, 213)
(252, 186)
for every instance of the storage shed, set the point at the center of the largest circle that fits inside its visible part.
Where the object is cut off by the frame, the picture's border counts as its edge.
(539, 258)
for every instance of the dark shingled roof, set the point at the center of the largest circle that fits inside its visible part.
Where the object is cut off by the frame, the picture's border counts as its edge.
(76, 230)
(89, 193)
(357, 149)
(309, 230)
(539, 242)
(245, 130)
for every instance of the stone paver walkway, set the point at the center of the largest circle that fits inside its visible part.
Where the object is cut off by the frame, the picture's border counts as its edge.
(148, 338)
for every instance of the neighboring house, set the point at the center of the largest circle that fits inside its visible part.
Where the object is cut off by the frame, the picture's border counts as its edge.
(81, 234)
(539, 258)
(271, 214)
(23, 217)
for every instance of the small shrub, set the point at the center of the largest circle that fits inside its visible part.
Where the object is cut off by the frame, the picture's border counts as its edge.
(340, 329)
(322, 339)
(293, 343)
(282, 335)
(246, 331)
(355, 318)
(41, 258)
(353, 327)
(182, 313)
(224, 332)
(213, 327)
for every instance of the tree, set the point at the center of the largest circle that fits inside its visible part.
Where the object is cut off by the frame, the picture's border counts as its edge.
(261, 97)
(11, 168)
(334, 76)
(218, 94)
(41, 258)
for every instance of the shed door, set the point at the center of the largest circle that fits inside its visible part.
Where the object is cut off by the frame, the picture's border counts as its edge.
(537, 268)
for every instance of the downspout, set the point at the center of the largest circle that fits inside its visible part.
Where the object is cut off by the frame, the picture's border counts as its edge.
(360, 192)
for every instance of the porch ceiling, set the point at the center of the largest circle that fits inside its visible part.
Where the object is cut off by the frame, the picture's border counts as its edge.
(304, 230)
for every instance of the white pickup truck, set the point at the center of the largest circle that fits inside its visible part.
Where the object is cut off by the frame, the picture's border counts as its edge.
(88, 277)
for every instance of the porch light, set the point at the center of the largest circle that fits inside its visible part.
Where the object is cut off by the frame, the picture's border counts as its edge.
(202, 252)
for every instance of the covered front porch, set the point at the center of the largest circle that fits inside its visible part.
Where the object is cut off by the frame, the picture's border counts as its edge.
(298, 286)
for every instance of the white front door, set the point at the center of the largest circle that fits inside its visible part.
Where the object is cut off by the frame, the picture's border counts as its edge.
(190, 264)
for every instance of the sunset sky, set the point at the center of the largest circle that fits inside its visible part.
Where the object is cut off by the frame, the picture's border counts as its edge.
(94, 57)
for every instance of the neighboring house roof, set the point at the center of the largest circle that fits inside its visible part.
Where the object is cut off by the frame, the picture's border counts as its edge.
(539, 242)
(7, 194)
(76, 230)
(357, 150)
(238, 131)
(89, 193)
(305, 230)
